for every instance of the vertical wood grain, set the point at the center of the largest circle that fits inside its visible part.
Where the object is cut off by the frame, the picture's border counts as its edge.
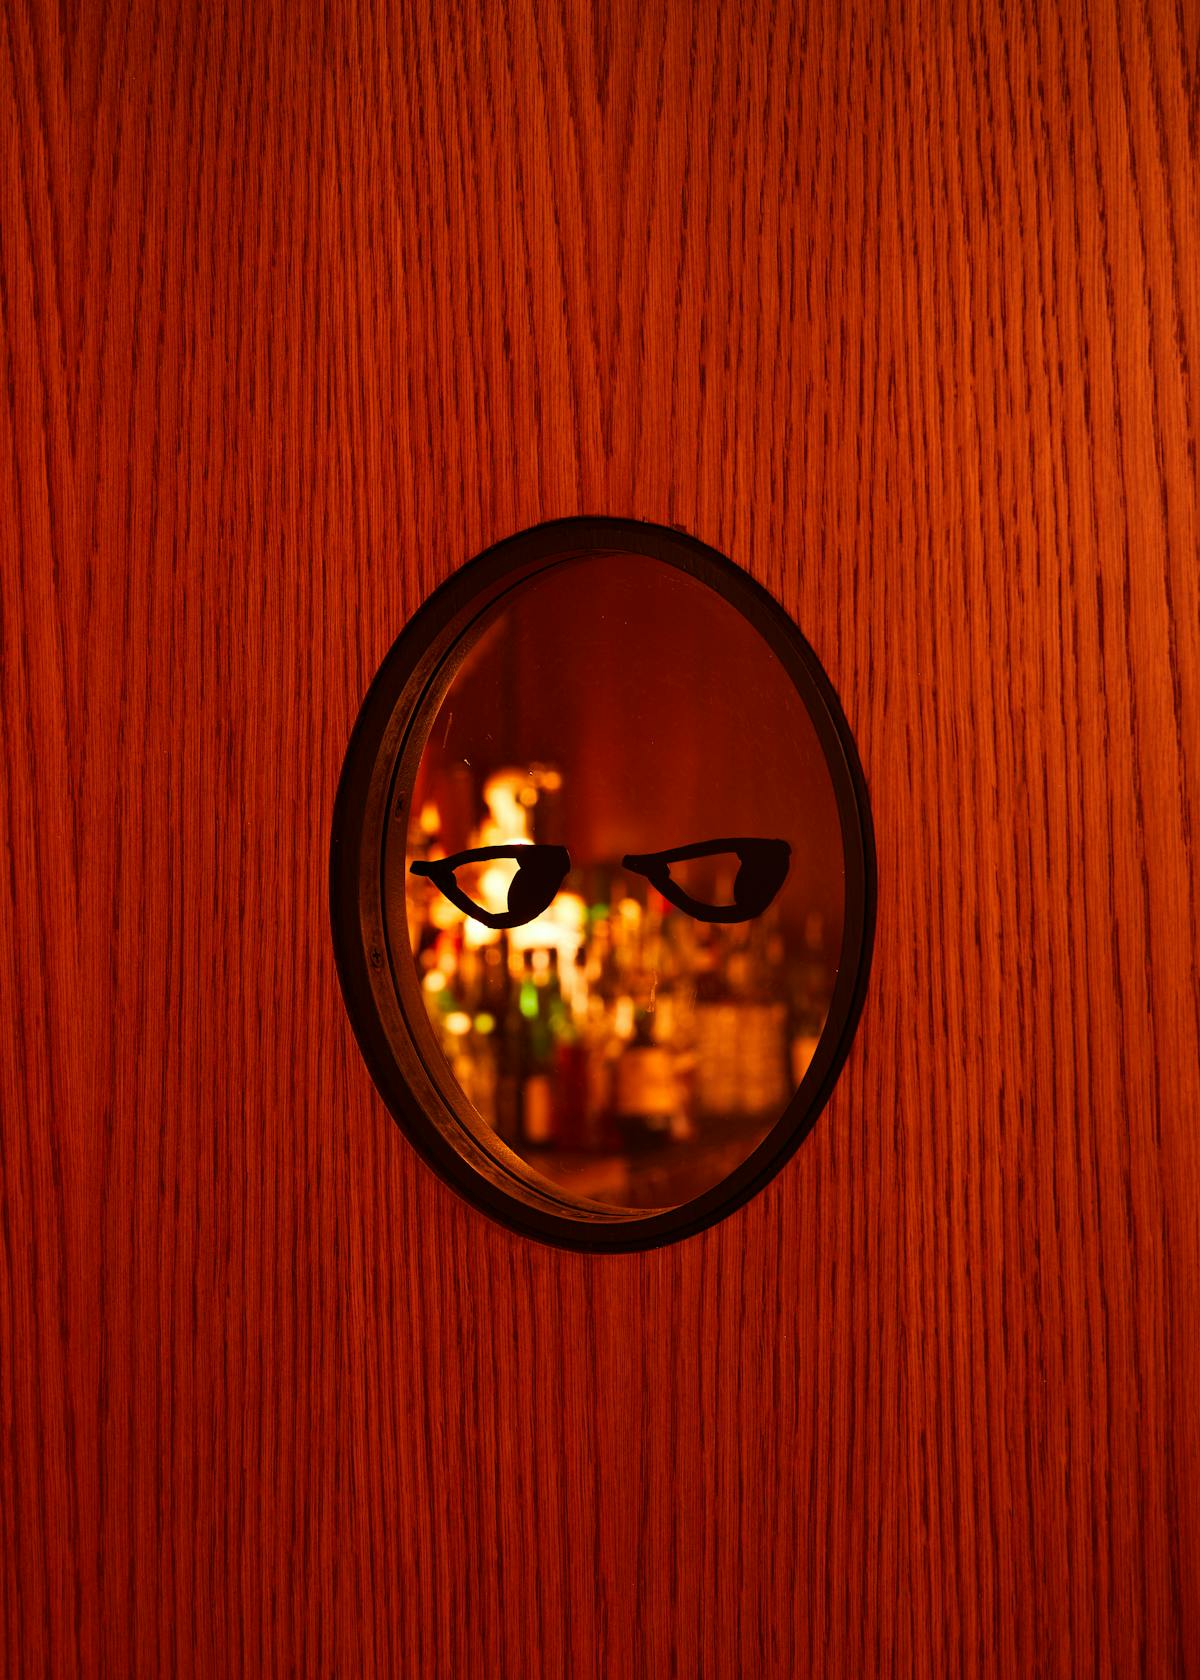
(303, 306)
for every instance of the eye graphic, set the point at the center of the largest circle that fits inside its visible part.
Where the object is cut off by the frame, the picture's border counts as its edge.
(540, 873)
(763, 867)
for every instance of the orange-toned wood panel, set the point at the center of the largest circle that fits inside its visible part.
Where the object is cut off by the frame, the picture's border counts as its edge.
(900, 307)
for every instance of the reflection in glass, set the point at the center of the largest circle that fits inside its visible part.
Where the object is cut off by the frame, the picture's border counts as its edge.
(626, 1003)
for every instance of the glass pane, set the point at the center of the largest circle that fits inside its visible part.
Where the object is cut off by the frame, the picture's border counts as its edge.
(630, 1023)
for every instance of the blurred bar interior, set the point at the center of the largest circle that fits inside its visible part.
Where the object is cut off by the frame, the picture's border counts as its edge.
(630, 1054)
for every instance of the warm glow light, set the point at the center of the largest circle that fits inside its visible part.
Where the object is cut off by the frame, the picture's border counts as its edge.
(458, 1023)
(508, 819)
(546, 933)
(570, 909)
(492, 887)
(435, 980)
(442, 913)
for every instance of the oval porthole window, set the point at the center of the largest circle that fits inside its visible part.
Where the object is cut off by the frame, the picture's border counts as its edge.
(603, 883)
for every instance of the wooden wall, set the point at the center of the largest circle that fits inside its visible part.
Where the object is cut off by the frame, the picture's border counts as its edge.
(899, 306)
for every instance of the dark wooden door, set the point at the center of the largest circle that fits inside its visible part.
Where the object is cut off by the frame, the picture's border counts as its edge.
(303, 306)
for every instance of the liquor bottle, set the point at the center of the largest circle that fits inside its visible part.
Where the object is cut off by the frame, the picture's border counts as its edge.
(647, 1097)
(485, 988)
(715, 1024)
(672, 1028)
(601, 1031)
(763, 1035)
(510, 1053)
(563, 1059)
(537, 1086)
(552, 1006)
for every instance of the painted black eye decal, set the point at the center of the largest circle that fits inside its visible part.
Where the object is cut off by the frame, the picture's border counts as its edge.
(540, 873)
(541, 870)
(763, 867)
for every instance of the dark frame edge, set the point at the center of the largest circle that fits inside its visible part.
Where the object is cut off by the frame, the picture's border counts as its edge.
(547, 543)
